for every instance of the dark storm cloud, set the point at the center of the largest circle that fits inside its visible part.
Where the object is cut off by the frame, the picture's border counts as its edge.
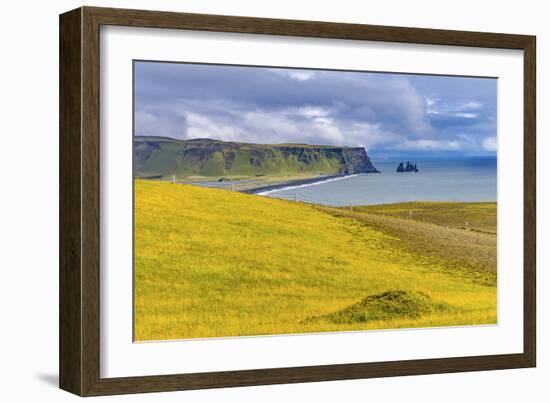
(379, 111)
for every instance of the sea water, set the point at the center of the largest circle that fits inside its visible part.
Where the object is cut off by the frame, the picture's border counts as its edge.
(462, 180)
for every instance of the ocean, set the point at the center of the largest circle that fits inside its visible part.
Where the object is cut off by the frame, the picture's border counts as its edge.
(463, 180)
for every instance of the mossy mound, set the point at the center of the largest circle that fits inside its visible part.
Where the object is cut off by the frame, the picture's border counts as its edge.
(394, 304)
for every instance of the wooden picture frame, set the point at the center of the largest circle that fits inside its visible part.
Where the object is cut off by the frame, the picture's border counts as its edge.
(79, 346)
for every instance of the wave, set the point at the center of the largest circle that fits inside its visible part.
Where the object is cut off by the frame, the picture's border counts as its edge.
(268, 192)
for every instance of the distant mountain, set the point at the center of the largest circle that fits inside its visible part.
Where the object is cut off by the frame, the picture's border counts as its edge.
(163, 157)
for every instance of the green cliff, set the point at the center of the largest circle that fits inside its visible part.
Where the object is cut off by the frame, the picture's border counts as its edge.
(163, 157)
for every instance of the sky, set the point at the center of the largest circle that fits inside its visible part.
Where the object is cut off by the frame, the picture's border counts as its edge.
(388, 114)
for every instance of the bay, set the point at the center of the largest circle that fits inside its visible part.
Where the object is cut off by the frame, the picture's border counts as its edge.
(467, 179)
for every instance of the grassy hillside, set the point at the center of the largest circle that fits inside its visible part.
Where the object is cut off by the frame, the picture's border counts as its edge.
(467, 253)
(164, 157)
(218, 263)
(476, 216)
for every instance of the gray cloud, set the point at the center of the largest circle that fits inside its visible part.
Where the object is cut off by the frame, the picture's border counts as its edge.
(379, 111)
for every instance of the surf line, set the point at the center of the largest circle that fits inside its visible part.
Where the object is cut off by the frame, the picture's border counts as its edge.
(268, 192)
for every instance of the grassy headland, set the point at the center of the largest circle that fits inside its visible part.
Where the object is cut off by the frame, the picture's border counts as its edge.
(214, 263)
(253, 165)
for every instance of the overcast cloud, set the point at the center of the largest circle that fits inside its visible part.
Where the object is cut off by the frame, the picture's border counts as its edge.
(386, 113)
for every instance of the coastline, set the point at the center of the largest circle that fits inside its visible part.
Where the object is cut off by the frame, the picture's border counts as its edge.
(262, 190)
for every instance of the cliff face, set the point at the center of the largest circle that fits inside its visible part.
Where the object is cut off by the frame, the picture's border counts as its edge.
(356, 160)
(160, 156)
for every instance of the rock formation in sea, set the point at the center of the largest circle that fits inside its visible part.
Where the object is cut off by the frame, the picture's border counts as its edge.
(408, 168)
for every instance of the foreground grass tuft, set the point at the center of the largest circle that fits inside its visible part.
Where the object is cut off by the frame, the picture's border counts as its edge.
(395, 304)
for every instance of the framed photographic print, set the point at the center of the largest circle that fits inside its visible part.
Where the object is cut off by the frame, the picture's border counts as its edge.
(249, 201)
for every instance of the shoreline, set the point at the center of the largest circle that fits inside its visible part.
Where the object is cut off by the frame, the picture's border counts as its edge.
(262, 190)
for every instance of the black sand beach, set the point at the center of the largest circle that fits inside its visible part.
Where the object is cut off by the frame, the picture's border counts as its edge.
(297, 182)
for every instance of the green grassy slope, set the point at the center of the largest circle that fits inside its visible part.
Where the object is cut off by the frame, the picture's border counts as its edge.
(467, 253)
(480, 216)
(212, 263)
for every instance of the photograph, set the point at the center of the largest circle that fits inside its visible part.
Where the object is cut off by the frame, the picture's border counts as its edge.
(282, 200)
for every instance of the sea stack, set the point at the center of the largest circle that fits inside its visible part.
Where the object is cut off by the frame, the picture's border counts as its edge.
(407, 168)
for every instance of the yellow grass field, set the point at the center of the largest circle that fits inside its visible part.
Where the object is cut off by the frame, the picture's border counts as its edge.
(216, 263)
